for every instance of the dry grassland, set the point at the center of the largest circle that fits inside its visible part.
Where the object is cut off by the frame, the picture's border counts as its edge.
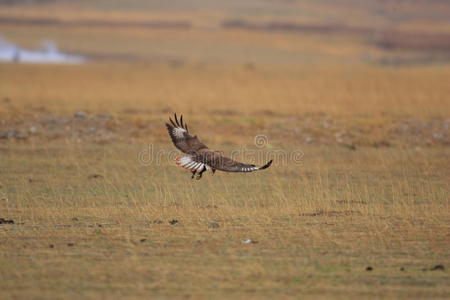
(92, 219)
(356, 204)
(419, 92)
(352, 105)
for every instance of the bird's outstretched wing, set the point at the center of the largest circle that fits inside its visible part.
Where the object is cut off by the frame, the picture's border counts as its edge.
(222, 163)
(181, 138)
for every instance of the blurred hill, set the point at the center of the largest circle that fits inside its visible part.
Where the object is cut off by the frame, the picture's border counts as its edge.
(257, 31)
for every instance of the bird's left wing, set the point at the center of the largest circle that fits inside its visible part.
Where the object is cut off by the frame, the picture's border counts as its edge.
(222, 163)
(181, 138)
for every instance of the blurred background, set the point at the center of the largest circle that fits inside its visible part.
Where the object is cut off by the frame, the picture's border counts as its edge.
(354, 72)
(290, 32)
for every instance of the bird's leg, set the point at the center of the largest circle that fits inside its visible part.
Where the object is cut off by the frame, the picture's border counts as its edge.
(200, 174)
(213, 171)
(193, 174)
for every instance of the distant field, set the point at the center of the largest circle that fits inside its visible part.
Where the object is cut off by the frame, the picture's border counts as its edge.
(351, 105)
(257, 32)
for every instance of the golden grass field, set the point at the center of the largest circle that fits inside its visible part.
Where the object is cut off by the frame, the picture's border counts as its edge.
(355, 205)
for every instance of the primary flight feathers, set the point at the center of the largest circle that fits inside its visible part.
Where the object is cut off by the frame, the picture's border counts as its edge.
(200, 158)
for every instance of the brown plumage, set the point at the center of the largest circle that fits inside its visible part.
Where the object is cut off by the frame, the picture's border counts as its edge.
(200, 158)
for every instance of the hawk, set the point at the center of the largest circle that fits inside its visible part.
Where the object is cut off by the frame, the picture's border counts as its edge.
(200, 158)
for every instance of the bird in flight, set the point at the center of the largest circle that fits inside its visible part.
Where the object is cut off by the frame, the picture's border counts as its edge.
(200, 158)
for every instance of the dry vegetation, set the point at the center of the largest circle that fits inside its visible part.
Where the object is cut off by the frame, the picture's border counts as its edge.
(363, 212)
(93, 221)
(353, 105)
